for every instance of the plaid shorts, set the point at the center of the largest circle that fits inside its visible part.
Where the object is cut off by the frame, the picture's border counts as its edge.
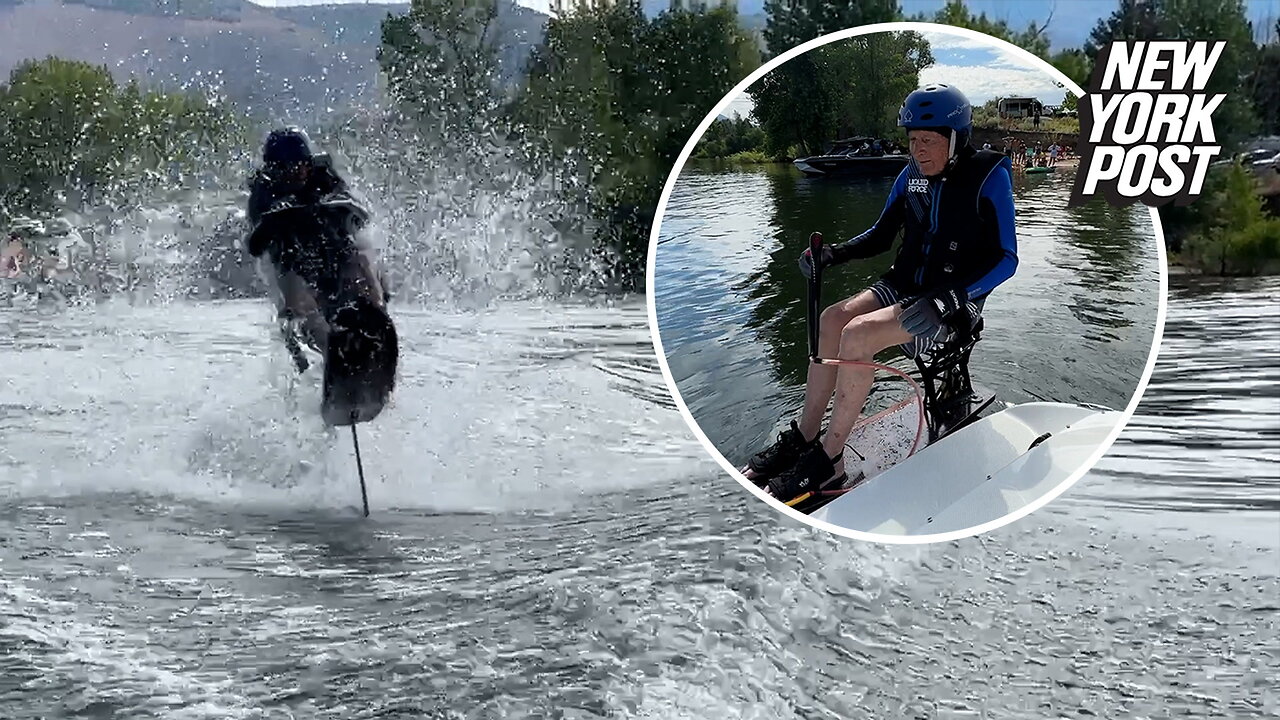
(888, 295)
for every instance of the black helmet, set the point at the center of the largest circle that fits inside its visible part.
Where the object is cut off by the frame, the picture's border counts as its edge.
(286, 146)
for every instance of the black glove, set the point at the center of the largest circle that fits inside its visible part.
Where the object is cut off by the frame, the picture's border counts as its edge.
(258, 240)
(950, 301)
(287, 202)
(269, 223)
(806, 261)
(927, 315)
(343, 202)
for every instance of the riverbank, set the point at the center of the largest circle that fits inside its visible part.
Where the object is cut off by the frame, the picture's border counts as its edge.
(1183, 267)
(753, 157)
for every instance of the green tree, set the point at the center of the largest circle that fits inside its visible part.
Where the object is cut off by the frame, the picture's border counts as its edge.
(1075, 64)
(729, 136)
(1237, 235)
(870, 75)
(851, 86)
(795, 22)
(987, 115)
(1235, 118)
(56, 112)
(70, 131)
(611, 99)
(1265, 84)
(440, 61)
(1209, 20)
(1132, 20)
(795, 107)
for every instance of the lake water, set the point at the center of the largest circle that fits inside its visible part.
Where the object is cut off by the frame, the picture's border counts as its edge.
(547, 540)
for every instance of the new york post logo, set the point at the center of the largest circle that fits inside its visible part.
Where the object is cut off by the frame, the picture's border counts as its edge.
(1146, 127)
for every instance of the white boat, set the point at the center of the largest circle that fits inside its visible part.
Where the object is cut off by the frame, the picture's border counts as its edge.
(982, 472)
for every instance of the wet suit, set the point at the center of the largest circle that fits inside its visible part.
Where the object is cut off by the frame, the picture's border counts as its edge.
(959, 239)
(327, 282)
(309, 233)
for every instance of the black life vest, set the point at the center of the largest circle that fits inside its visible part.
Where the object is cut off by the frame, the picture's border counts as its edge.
(947, 237)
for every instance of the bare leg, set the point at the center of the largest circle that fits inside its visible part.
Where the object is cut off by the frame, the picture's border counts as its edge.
(301, 304)
(861, 339)
(364, 279)
(822, 378)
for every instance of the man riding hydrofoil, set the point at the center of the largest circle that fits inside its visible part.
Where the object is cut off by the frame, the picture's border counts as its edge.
(305, 220)
(955, 207)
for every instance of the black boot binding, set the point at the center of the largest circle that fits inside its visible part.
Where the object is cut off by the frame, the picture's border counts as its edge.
(780, 456)
(810, 476)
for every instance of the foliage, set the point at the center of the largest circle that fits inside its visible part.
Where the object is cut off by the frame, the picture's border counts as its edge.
(1075, 64)
(440, 61)
(795, 107)
(1240, 65)
(794, 22)
(72, 132)
(852, 86)
(1265, 84)
(1235, 234)
(611, 99)
(1234, 119)
(870, 75)
(730, 136)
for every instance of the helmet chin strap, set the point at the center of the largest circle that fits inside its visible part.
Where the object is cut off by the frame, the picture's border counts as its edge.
(951, 154)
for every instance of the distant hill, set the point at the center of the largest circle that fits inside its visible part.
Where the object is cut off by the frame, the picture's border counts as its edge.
(519, 28)
(194, 9)
(276, 63)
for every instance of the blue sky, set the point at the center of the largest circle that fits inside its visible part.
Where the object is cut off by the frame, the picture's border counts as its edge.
(985, 72)
(1069, 26)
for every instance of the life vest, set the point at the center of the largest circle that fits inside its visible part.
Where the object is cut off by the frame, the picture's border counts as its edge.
(946, 238)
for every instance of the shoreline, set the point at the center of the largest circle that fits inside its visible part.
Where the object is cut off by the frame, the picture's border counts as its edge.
(1177, 269)
(1270, 267)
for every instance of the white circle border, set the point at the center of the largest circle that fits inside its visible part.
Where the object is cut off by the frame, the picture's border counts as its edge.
(728, 467)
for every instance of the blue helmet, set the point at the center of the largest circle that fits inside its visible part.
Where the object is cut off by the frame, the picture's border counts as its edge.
(938, 107)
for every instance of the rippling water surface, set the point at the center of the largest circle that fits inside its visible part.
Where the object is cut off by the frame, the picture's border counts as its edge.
(179, 540)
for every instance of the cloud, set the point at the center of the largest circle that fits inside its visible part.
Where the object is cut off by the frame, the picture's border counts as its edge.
(542, 6)
(1017, 62)
(740, 105)
(987, 69)
(948, 49)
(946, 41)
(983, 83)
